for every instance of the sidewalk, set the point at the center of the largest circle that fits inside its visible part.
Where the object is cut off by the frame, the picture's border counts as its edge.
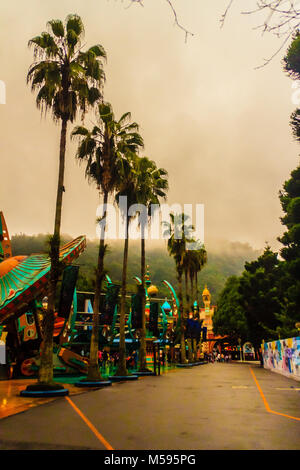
(12, 403)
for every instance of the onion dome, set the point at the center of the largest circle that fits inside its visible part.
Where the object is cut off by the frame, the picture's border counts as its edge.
(167, 307)
(152, 290)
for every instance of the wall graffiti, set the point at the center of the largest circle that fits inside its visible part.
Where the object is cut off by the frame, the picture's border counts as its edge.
(283, 356)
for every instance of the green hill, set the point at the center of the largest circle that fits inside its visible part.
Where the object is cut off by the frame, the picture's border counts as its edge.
(224, 259)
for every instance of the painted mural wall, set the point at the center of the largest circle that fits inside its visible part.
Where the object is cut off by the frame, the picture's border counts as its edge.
(283, 356)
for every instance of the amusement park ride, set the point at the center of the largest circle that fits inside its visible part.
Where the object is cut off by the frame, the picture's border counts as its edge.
(23, 290)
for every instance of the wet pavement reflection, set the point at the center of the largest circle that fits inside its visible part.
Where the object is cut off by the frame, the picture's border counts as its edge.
(12, 403)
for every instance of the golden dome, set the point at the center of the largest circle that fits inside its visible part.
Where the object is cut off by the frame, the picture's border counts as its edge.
(152, 290)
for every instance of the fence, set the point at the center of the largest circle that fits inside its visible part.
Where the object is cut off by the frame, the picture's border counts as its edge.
(283, 356)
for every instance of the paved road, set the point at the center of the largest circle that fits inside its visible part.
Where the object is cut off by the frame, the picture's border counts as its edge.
(209, 407)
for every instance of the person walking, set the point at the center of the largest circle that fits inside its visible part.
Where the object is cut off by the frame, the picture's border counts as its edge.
(135, 358)
(104, 358)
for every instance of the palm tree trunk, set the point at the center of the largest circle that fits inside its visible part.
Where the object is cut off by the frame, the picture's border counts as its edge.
(182, 320)
(194, 296)
(46, 365)
(93, 369)
(187, 310)
(192, 292)
(143, 351)
(187, 297)
(190, 309)
(194, 344)
(122, 369)
(190, 352)
(197, 288)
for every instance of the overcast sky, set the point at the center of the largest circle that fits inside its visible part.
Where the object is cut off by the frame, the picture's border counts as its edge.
(218, 125)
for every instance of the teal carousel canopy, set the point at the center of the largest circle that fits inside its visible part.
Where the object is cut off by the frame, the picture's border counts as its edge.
(26, 277)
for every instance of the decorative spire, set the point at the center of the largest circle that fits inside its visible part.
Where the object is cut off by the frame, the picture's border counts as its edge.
(152, 290)
(147, 276)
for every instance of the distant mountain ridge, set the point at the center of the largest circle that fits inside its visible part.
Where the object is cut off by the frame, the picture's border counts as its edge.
(225, 259)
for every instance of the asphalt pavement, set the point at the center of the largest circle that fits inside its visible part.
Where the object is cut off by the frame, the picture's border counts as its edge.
(216, 406)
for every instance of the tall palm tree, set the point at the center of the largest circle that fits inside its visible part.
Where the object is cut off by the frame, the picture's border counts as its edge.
(127, 188)
(189, 265)
(187, 269)
(68, 80)
(104, 148)
(152, 185)
(195, 260)
(178, 232)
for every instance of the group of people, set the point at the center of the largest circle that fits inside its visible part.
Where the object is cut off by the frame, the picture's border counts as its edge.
(111, 358)
(218, 357)
(223, 357)
(106, 359)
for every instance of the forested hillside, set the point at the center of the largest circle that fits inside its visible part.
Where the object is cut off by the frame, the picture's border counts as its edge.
(224, 260)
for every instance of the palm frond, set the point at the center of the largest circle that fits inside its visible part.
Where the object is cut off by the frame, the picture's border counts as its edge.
(57, 28)
(74, 23)
(44, 45)
(98, 50)
(79, 131)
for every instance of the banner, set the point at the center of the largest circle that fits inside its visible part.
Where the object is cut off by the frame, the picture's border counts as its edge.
(193, 328)
(69, 280)
(198, 331)
(136, 310)
(153, 318)
(108, 304)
